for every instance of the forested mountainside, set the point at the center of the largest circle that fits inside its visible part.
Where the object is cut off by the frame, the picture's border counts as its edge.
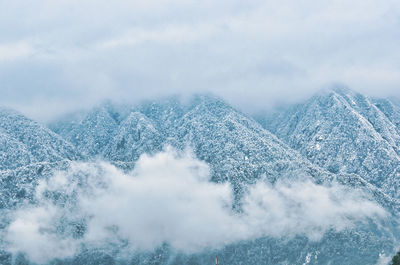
(336, 136)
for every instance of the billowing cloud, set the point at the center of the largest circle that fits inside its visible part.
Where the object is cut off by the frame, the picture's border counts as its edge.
(168, 198)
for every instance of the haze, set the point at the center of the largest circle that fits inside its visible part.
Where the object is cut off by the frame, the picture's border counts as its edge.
(59, 56)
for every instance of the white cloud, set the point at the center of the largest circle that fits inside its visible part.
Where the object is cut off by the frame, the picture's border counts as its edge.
(168, 198)
(290, 208)
(168, 35)
(271, 51)
(34, 232)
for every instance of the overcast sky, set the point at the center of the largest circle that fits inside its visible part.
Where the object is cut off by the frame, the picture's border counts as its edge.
(57, 56)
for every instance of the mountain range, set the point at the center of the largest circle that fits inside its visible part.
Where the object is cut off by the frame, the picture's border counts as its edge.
(338, 135)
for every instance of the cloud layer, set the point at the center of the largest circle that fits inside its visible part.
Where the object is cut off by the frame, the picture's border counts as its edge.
(53, 53)
(168, 198)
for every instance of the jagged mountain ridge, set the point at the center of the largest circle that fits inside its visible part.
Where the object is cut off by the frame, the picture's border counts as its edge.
(345, 132)
(93, 131)
(234, 145)
(237, 149)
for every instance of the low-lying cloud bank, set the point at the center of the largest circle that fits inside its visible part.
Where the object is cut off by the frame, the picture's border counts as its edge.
(169, 198)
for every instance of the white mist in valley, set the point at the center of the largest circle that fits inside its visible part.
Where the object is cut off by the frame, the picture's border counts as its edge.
(169, 198)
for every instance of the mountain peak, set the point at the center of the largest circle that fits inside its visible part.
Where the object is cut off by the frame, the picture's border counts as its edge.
(336, 90)
(345, 132)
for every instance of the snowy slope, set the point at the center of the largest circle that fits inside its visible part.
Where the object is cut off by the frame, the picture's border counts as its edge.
(235, 146)
(28, 151)
(24, 141)
(92, 134)
(345, 132)
(116, 133)
(239, 150)
(134, 136)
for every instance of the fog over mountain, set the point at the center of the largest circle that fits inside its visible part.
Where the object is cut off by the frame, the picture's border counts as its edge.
(179, 181)
(169, 132)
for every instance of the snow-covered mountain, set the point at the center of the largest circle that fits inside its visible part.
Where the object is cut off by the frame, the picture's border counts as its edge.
(92, 132)
(28, 150)
(337, 135)
(135, 135)
(236, 147)
(23, 142)
(345, 132)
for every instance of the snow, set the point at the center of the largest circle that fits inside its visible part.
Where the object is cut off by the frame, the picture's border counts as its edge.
(356, 136)
(335, 136)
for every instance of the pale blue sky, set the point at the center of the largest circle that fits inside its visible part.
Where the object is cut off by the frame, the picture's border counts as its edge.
(56, 56)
